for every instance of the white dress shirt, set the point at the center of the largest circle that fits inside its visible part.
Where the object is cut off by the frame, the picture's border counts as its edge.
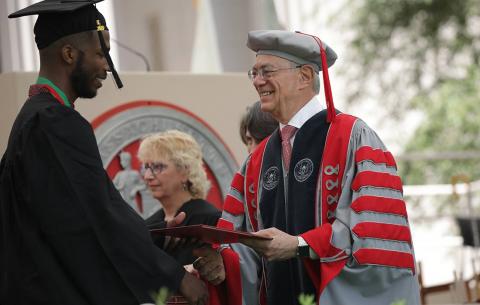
(304, 114)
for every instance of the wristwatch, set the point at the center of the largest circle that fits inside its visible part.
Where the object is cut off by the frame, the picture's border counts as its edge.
(303, 249)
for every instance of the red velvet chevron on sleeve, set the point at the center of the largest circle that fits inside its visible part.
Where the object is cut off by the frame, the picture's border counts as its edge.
(384, 257)
(237, 182)
(234, 201)
(378, 156)
(233, 206)
(376, 179)
(225, 224)
(382, 231)
(378, 204)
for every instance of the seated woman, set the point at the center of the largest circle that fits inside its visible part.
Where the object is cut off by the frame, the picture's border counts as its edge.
(173, 171)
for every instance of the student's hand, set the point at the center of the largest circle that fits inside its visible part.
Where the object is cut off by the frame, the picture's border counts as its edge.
(177, 220)
(172, 243)
(209, 265)
(281, 247)
(194, 290)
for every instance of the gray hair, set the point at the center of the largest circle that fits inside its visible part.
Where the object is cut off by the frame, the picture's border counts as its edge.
(316, 77)
(316, 83)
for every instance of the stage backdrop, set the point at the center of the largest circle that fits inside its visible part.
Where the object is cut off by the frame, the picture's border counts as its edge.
(208, 107)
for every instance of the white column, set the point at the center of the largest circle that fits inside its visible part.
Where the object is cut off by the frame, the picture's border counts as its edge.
(206, 55)
(106, 8)
(19, 51)
(18, 48)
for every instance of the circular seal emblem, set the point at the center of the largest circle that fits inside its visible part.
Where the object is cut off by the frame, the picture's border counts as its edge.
(271, 178)
(120, 130)
(303, 169)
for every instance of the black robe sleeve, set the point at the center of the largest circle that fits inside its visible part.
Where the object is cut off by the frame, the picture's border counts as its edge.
(198, 211)
(86, 240)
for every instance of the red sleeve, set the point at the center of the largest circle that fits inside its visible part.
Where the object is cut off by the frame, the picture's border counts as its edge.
(230, 291)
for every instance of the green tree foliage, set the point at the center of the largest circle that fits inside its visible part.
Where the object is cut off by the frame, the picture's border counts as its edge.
(306, 299)
(402, 48)
(425, 55)
(161, 296)
(451, 123)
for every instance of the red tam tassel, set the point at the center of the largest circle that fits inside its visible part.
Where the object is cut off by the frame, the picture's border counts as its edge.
(326, 80)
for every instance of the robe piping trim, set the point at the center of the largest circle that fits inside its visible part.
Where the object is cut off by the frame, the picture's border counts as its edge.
(59, 95)
(331, 173)
(253, 170)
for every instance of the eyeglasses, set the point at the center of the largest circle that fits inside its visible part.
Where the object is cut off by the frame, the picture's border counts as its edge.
(155, 167)
(266, 73)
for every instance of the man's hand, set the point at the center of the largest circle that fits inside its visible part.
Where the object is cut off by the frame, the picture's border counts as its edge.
(281, 247)
(194, 290)
(210, 265)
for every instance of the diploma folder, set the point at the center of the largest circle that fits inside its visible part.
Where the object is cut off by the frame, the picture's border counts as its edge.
(208, 234)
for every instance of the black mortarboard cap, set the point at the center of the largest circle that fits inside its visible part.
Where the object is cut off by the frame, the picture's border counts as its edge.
(60, 18)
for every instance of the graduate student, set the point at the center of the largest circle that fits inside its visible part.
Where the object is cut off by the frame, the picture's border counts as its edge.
(325, 189)
(67, 236)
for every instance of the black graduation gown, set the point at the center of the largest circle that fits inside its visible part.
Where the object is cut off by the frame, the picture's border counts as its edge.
(67, 237)
(198, 211)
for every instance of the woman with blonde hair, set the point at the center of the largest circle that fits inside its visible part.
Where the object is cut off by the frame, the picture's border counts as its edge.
(173, 171)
